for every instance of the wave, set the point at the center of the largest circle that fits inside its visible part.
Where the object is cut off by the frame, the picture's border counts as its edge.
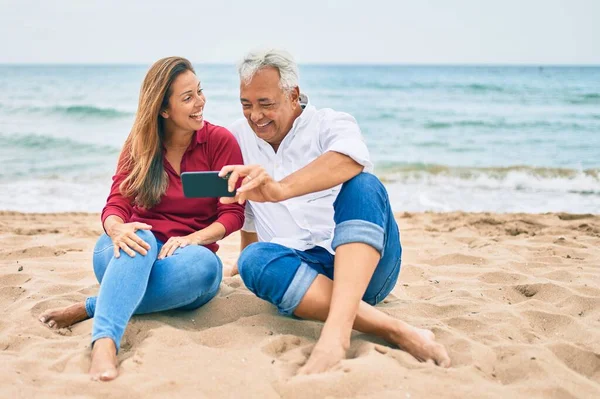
(80, 111)
(503, 124)
(518, 178)
(47, 143)
(588, 98)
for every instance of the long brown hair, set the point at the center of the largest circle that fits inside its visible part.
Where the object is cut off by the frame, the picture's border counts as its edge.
(142, 153)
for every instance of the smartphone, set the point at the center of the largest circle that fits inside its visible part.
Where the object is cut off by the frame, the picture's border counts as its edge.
(205, 184)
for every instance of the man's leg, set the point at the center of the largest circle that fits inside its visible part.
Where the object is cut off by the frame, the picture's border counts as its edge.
(366, 239)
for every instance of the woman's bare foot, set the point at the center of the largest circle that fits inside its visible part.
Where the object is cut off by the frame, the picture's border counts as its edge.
(104, 360)
(64, 317)
(420, 343)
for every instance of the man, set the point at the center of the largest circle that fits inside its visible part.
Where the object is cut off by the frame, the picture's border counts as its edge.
(320, 240)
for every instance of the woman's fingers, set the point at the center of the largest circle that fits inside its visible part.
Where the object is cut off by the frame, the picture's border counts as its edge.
(164, 250)
(135, 246)
(172, 249)
(139, 241)
(116, 252)
(141, 226)
(126, 249)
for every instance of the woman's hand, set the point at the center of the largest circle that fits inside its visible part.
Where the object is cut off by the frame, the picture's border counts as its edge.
(176, 242)
(123, 237)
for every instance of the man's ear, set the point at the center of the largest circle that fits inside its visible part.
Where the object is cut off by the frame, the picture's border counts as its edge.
(295, 95)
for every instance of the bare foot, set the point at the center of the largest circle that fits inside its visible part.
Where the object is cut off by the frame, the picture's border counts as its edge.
(104, 360)
(326, 354)
(230, 271)
(64, 317)
(420, 343)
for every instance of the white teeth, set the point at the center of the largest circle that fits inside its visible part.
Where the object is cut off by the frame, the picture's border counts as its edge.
(196, 114)
(263, 125)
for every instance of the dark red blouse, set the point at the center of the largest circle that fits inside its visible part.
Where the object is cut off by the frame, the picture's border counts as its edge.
(177, 215)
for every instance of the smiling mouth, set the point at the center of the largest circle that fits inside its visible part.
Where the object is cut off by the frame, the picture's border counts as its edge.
(197, 116)
(263, 125)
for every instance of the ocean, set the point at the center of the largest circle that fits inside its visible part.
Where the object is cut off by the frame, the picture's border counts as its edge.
(443, 138)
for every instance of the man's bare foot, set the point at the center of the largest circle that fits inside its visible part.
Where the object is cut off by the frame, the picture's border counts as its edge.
(420, 343)
(64, 317)
(104, 360)
(326, 354)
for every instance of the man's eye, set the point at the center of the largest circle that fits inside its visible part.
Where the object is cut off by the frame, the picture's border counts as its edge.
(268, 105)
(246, 106)
(200, 91)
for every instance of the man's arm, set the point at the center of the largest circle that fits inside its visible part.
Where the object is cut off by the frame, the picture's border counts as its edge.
(328, 170)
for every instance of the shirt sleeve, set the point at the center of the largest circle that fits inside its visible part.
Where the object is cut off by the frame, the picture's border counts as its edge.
(340, 133)
(249, 226)
(224, 150)
(116, 203)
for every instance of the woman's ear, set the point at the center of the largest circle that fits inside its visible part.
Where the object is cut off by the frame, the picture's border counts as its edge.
(164, 114)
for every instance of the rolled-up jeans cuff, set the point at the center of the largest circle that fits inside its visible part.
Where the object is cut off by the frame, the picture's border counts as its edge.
(298, 287)
(359, 231)
(90, 306)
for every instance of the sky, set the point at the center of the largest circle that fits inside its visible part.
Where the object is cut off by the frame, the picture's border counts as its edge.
(314, 31)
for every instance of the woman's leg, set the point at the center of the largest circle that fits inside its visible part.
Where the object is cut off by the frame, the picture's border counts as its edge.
(60, 318)
(186, 280)
(123, 285)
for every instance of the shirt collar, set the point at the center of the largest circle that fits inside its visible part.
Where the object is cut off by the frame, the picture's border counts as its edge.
(202, 134)
(307, 112)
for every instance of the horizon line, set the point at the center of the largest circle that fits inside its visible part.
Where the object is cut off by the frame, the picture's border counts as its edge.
(383, 64)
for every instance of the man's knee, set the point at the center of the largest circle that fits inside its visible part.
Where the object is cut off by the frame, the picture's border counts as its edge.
(362, 184)
(253, 260)
(364, 192)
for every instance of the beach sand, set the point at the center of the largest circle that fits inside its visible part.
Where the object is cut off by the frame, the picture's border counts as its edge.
(515, 298)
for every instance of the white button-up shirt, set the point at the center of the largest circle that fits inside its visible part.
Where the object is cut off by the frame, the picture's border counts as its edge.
(306, 221)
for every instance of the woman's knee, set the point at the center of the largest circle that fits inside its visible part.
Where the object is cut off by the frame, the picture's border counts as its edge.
(149, 238)
(206, 271)
(104, 251)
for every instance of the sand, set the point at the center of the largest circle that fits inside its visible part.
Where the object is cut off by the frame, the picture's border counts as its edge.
(515, 299)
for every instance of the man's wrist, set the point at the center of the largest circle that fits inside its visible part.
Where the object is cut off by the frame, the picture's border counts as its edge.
(285, 192)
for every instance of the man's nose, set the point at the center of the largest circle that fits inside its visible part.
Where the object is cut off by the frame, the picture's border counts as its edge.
(256, 116)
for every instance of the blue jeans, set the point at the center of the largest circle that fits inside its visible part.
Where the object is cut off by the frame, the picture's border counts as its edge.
(185, 280)
(363, 214)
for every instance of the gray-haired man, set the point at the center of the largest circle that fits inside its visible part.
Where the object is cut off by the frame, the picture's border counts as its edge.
(320, 240)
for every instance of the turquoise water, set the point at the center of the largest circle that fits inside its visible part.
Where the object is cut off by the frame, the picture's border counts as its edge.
(504, 139)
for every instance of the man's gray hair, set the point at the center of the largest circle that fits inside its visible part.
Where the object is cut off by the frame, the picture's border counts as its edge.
(281, 60)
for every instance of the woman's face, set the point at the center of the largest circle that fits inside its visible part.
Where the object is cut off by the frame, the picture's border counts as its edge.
(186, 104)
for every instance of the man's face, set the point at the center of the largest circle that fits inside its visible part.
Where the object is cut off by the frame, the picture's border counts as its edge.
(270, 111)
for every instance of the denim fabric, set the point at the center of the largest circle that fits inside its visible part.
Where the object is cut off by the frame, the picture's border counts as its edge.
(185, 280)
(363, 214)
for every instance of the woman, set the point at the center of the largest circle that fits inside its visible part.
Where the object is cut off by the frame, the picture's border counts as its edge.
(158, 252)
